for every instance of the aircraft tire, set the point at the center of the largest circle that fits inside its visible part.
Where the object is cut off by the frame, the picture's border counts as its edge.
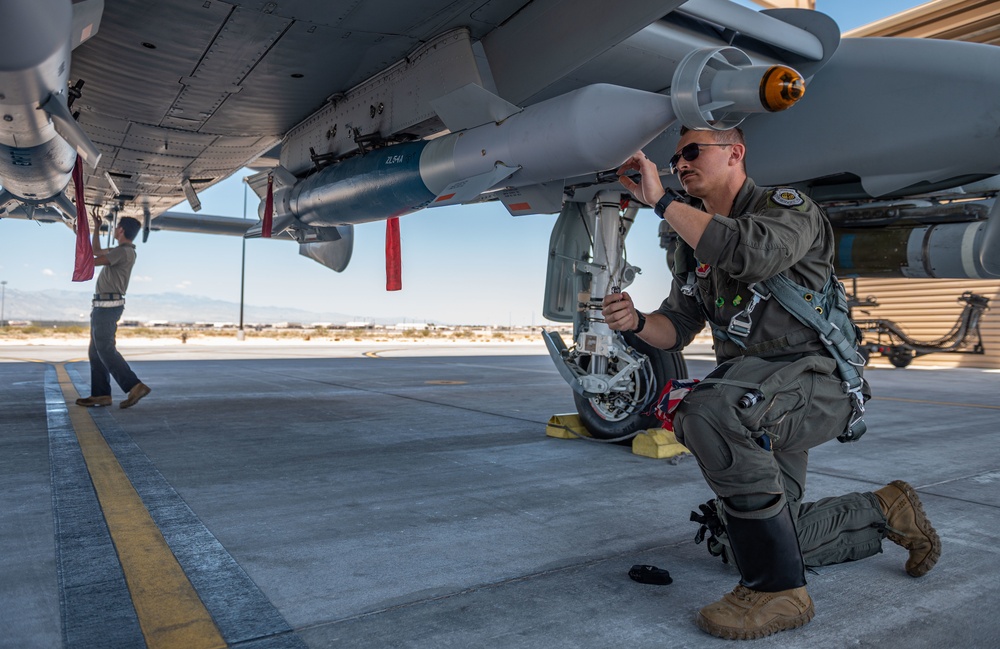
(665, 365)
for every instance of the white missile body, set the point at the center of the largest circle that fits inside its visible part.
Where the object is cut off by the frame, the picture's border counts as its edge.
(589, 130)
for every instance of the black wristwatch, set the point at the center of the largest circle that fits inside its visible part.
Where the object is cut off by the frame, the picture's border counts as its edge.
(669, 196)
(642, 322)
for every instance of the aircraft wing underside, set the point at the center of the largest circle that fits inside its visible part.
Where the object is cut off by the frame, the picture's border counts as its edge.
(358, 112)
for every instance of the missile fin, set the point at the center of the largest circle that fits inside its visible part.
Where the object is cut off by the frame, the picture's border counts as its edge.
(6, 198)
(472, 106)
(70, 130)
(465, 190)
(66, 206)
(279, 223)
(282, 178)
(335, 255)
(546, 198)
(86, 20)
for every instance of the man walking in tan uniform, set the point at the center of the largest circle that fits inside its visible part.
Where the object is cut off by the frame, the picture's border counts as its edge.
(108, 305)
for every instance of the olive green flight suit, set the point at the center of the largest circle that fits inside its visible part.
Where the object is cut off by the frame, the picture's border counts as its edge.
(769, 231)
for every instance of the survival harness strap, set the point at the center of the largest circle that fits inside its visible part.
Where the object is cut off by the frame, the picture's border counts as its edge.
(826, 313)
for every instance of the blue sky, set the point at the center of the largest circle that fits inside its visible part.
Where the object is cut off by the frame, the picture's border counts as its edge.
(465, 265)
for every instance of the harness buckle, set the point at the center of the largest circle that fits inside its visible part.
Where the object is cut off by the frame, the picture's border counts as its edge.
(690, 286)
(738, 327)
(823, 338)
(856, 427)
(741, 323)
(858, 360)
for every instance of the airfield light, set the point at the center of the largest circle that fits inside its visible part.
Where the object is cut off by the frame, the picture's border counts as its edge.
(780, 87)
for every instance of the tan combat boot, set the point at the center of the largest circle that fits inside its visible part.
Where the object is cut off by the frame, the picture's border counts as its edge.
(746, 614)
(908, 526)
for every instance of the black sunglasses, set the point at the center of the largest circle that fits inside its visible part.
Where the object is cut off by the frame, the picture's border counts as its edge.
(689, 152)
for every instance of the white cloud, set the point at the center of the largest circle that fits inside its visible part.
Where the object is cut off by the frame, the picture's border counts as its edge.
(142, 278)
(48, 272)
(184, 284)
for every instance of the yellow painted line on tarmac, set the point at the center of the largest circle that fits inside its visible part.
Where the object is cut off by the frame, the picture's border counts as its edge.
(170, 613)
(371, 354)
(939, 403)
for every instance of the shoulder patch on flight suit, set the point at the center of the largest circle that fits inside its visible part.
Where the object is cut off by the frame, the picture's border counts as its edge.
(786, 197)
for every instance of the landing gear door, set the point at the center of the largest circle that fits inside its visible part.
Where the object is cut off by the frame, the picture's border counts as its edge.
(569, 244)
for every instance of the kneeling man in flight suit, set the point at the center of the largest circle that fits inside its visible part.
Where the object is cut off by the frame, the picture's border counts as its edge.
(732, 235)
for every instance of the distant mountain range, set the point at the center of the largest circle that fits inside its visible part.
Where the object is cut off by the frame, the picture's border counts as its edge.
(74, 306)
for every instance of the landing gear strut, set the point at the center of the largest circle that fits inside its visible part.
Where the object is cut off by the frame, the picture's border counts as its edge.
(615, 378)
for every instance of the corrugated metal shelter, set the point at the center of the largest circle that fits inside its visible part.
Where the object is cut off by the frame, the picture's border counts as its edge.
(927, 309)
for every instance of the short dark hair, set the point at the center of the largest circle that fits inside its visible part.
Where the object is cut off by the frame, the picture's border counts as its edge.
(129, 226)
(728, 136)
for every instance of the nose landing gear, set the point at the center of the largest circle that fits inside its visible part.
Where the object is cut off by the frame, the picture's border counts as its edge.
(615, 377)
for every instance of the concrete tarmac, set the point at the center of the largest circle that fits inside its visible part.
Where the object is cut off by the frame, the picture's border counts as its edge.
(372, 496)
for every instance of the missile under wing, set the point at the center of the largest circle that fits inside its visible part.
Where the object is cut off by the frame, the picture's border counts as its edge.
(482, 102)
(371, 111)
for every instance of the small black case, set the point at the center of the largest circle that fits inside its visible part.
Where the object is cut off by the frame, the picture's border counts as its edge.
(650, 575)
